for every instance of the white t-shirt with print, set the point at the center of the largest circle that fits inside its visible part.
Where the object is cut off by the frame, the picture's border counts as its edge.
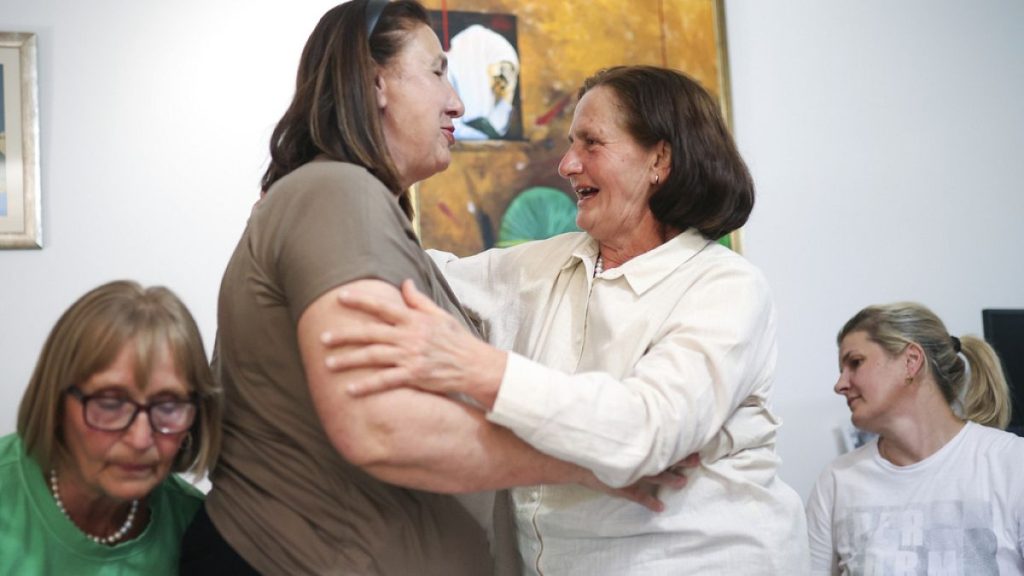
(958, 512)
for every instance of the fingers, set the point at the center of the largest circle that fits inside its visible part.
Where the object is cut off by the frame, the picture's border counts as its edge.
(379, 381)
(643, 493)
(675, 476)
(358, 335)
(419, 301)
(691, 461)
(642, 497)
(374, 356)
(669, 478)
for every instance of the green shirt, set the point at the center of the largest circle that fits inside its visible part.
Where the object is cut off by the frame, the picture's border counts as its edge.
(36, 538)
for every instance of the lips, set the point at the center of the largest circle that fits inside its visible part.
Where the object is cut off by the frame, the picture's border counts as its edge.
(135, 469)
(584, 192)
(449, 134)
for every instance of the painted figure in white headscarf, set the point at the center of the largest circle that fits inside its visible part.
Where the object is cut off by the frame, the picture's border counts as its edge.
(484, 68)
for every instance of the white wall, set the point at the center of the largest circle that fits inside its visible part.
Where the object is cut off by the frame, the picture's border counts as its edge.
(885, 138)
(155, 120)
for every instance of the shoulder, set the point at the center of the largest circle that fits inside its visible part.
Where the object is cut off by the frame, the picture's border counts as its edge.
(996, 442)
(514, 261)
(720, 262)
(558, 247)
(851, 463)
(174, 503)
(11, 453)
(846, 474)
(10, 449)
(709, 279)
(320, 171)
(326, 181)
(862, 456)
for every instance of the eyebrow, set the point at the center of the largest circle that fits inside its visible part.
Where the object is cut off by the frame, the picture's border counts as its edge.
(583, 133)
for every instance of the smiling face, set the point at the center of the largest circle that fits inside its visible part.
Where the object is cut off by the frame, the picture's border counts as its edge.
(871, 379)
(417, 104)
(128, 464)
(613, 175)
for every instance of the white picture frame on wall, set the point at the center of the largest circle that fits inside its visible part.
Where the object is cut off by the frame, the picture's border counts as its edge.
(20, 200)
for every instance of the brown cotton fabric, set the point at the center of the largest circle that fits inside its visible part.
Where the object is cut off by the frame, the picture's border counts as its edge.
(282, 496)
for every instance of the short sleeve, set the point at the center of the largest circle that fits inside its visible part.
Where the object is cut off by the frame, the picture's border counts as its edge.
(819, 525)
(330, 223)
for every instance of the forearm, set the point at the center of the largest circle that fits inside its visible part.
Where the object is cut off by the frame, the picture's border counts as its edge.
(412, 437)
(622, 430)
(445, 446)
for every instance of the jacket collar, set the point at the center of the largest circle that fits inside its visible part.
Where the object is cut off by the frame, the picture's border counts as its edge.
(647, 269)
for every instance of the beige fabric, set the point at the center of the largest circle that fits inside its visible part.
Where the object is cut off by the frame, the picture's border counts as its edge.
(625, 374)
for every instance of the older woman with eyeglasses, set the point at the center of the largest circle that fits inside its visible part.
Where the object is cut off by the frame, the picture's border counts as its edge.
(122, 395)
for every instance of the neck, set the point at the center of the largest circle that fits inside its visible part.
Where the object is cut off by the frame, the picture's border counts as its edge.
(617, 251)
(909, 440)
(92, 513)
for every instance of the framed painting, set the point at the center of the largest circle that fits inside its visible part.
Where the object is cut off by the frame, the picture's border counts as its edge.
(517, 65)
(20, 213)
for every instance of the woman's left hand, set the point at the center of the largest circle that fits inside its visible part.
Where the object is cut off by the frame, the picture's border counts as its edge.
(645, 491)
(418, 345)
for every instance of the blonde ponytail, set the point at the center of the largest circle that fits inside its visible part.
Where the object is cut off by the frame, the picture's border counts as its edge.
(987, 398)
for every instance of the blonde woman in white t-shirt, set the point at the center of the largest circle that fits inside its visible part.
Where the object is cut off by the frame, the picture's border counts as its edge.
(938, 491)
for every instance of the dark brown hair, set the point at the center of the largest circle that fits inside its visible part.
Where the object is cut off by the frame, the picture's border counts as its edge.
(709, 187)
(334, 109)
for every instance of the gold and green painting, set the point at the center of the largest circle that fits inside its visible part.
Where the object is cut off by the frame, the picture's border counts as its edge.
(517, 65)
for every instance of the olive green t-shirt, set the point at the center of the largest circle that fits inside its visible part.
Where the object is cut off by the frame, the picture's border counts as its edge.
(282, 496)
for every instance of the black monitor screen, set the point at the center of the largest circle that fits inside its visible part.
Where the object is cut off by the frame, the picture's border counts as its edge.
(1004, 330)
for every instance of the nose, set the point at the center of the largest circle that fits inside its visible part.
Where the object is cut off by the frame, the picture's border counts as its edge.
(842, 384)
(455, 107)
(140, 434)
(570, 164)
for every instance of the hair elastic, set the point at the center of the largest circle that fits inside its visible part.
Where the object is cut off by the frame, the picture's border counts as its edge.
(956, 343)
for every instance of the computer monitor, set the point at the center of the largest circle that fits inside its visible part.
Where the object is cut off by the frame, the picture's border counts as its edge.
(1004, 330)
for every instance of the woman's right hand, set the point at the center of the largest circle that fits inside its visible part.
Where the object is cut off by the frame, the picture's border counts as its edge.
(417, 344)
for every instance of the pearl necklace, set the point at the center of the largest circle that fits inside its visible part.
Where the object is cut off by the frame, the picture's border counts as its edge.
(97, 539)
(598, 265)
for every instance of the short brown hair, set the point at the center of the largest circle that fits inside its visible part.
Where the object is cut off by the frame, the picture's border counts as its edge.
(709, 187)
(334, 109)
(87, 339)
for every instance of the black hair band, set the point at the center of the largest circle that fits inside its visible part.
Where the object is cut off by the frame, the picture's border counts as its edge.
(956, 344)
(374, 8)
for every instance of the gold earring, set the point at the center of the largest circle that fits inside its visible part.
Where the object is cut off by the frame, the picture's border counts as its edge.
(910, 380)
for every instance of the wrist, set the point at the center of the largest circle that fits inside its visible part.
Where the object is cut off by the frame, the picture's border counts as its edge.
(492, 371)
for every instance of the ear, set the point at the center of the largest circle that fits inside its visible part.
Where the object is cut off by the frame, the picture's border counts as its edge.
(662, 160)
(380, 89)
(915, 358)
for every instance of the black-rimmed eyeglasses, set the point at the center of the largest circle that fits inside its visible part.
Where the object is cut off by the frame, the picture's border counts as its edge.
(114, 414)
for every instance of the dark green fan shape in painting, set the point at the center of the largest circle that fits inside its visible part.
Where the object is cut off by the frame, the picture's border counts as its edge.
(537, 213)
